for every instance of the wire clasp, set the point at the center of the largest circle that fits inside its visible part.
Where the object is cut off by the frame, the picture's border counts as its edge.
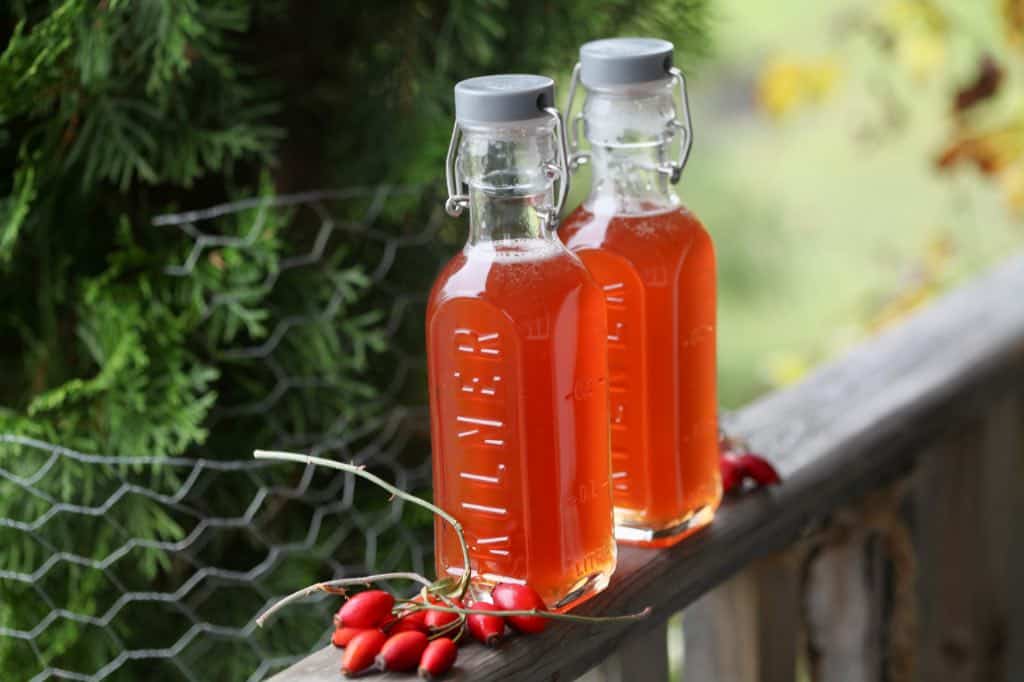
(557, 172)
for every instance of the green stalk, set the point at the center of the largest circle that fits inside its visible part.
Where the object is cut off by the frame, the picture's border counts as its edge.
(463, 583)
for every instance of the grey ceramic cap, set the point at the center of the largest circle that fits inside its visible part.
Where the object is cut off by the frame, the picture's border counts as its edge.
(503, 98)
(620, 61)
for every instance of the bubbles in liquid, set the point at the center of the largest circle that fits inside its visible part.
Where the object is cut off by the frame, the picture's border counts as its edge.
(523, 250)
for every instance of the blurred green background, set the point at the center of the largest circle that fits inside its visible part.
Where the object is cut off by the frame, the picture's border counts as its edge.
(818, 130)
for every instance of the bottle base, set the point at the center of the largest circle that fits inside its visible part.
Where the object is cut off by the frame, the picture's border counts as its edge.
(644, 536)
(585, 588)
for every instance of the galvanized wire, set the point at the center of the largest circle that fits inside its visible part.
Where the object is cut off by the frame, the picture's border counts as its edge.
(179, 603)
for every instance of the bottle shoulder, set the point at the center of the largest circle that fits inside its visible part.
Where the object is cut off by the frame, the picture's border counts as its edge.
(670, 234)
(511, 280)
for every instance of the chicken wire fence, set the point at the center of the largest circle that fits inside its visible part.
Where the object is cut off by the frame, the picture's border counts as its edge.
(128, 566)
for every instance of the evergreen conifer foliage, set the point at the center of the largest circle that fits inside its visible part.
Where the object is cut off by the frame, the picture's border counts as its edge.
(275, 323)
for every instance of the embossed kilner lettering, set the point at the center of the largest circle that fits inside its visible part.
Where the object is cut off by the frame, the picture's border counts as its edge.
(482, 432)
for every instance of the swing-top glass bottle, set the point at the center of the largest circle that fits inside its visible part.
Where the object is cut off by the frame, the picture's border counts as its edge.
(517, 358)
(656, 266)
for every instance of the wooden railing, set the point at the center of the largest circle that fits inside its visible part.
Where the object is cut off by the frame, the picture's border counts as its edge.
(893, 550)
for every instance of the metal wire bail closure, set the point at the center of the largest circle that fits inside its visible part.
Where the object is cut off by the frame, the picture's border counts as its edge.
(684, 127)
(577, 158)
(456, 202)
(674, 169)
(559, 172)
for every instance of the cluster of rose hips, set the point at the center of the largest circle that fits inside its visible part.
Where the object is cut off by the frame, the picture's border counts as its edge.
(378, 635)
(739, 466)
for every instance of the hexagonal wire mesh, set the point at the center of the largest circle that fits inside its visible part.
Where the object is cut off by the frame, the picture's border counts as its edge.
(128, 566)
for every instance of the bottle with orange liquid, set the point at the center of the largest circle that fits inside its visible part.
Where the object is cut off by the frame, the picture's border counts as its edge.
(517, 358)
(655, 264)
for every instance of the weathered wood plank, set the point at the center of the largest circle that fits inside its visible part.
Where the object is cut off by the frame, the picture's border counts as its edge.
(642, 658)
(843, 599)
(965, 501)
(747, 628)
(847, 428)
(721, 633)
(1015, 607)
(779, 618)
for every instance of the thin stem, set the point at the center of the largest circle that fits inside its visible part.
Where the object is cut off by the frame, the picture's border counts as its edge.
(463, 583)
(543, 614)
(455, 626)
(342, 582)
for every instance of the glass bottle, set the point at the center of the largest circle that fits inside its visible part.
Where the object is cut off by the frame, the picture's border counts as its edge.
(656, 266)
(517, 358)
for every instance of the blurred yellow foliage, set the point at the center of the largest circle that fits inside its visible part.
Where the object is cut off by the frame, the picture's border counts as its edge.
(1013, 19)
(921, 283)
(923, 54)
(996, 152)
(919, 28)
(1011, 180)
(788, 83)
(787, 368)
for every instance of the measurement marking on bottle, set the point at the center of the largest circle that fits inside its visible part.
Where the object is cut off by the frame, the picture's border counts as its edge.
(620, 479)
(500, 546)
(618, 299)
(586, 492)
(491, 541)
(583, 388)
(483, 478)
(592, 562)
(537, 328)
(655, 275)
(478, 477)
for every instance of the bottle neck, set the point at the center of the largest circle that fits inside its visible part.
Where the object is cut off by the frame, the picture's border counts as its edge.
(496, 217)
(630, 148)
(508, 174)
(627, 180)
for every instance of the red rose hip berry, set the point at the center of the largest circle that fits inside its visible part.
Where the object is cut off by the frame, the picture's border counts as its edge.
(342, 636)
(414, 622)
(759, 469)
(366, 610)
(435, 620)
(361, 652)
(732, 472)
(402, 651)
(438, 658)
(485, 628)
(512, 597)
